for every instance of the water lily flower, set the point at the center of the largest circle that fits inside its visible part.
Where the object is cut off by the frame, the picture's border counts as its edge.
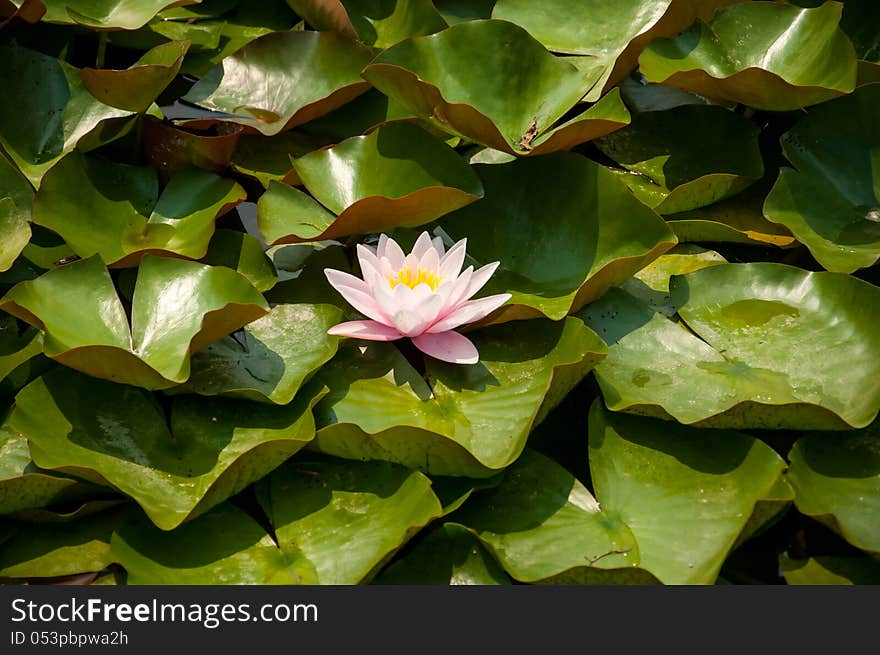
(423, 295)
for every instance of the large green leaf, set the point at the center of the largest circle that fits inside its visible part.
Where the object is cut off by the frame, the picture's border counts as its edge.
(24, 486)
(398, 175)
(612, 33)
(179, 307)
(16, 196)
(768, 346)
(53, 110)
(44, 551)
(830, 570)
(346, 518)
(766, 55)
(686, 157)
(510, 102)
(135, 88)
(268, 158)
(558, 251)
(222, 547)
(117, 435)
(280, 352)
(116, 210)
(380, 23)
(449, 555)
(831, 199)
(243, 253)
(685, 493)
(543, 525)
(836, 478)
(15, 348)
(456, 420)
(284, 79)
(107, 14)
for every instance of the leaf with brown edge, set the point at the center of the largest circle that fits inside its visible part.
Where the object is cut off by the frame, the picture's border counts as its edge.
(179, 307)
(284, 79)
(170, 149)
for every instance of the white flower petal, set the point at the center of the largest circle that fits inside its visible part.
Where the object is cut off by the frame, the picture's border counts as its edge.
(452, 261)
(480, 277)
(423, 244)
(472, 310)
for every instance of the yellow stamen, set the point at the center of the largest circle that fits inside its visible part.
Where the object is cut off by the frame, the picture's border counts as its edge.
(406, 277)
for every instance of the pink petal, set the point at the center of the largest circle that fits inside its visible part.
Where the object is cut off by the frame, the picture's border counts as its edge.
(480, 277)
(370, 330)
(411, 311)
(452, 261)
(388, 249)
(472, 310)
(437, 242)
(430, 261)
(356, 294)
(423, 244)
(448, 347)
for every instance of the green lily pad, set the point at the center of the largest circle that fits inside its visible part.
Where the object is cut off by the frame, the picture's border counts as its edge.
(611, 33)
(449, 555)
(243, 253)
(447, 79)
(44, 551)
(268, 158)
(107, 14)
(116, 210)
(222, 547)
(831, 199)
(559, 535)
(281, 351)
(770, 56)
(179, 307)
(284, 79)
(836, 478)
(686, 494)
(830, 570)
(398, 175)
(15, 348)
(53, 112)
(686, 157)
(23, 486)
(16, 195)
(135, 88)
(558, 251)
(346, 518)
(764, 346)
(117, 435)
(464, 420)
(379, 24)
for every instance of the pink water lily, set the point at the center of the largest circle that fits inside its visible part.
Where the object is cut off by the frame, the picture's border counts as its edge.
(423, 295)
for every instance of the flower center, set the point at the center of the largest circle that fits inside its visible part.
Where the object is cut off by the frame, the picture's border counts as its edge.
(412, 279)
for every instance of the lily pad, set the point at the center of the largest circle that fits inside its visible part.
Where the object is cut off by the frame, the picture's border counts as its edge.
(117, 435)
(273, 358)
(378, 23)
(449, 555)
(560, 535)
(830, 200)
(747, 355)
(171, 149)
(267, 158)
(16, 196)
(770, 56)
(686, 494)
(610, 32)
(836, 478)
(24, 486)
(284, 79)
(30, 11)
(135, 88)
(179, 308)
(558, 251)
(346, 518)
(44, 551)
(686, 157)
(510, 103)
(53, 113)
(107, 14)
(465, 420)
(830, 570)
(398, 175)
(116, 210)
(243, 253)
(222, 547)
